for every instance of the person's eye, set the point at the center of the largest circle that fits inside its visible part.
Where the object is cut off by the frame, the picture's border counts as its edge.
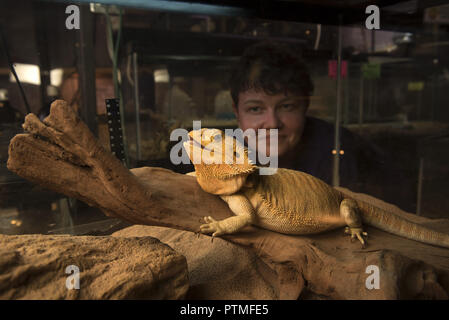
(287, 107)
(254, 110)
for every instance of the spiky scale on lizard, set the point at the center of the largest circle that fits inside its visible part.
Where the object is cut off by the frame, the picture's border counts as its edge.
(290, 202)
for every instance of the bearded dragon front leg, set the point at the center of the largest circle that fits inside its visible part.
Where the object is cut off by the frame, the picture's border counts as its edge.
(349, 212)
(244, 215)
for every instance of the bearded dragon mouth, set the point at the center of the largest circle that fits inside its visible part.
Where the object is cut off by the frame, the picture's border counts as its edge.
(196, 143)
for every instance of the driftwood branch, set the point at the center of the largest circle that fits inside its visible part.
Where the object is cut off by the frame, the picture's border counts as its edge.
(34, 267)
(61, 154)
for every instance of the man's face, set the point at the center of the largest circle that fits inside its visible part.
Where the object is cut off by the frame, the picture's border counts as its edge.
(258, 110)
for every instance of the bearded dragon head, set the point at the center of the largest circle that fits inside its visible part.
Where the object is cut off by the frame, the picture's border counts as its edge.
(221, 162)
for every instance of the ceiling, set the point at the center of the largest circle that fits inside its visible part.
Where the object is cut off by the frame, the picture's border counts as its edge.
(396, 14)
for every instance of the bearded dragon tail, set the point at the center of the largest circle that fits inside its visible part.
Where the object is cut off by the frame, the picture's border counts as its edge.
(397, 225)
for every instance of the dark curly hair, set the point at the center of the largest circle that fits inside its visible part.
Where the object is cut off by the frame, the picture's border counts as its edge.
(273, 67)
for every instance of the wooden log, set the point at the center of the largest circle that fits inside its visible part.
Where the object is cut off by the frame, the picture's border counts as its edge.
(43, 267)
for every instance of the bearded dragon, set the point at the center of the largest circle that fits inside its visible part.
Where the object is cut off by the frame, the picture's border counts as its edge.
(289, 201)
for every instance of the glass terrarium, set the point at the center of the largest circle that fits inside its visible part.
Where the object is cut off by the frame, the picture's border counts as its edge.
(170, 67)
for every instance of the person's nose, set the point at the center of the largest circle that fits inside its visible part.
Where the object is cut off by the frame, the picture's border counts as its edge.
(272, 120)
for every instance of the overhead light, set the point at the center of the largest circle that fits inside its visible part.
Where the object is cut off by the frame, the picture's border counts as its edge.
(27, 73)
(161, 76)
(56, 77)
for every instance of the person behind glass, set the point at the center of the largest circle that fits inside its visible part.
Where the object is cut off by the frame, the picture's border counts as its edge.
(271, 89)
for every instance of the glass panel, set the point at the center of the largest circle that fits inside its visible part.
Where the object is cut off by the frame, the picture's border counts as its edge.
(174, 68)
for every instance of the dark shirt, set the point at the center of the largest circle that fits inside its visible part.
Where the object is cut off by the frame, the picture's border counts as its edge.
(314, 154)
(364, 167)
